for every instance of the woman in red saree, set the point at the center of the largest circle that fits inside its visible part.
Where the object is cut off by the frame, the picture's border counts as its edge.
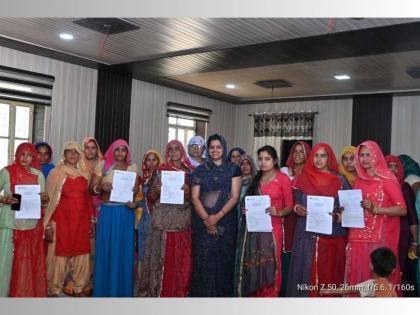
(167, 265)
(22, 260)
(383, 205)
(317, 259)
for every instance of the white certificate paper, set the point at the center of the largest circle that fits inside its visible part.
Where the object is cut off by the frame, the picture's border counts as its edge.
(257, 220)
(171, 191)
(353, 212)
(318, 219)
(30, 204)
(122, 186)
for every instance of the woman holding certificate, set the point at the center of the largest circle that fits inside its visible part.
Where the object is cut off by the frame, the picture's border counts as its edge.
(383, 205)
(68, 224)
(22, 258)
(216, 186)
(261, 252)
(167, 264)
(114, 178)
(317, 259)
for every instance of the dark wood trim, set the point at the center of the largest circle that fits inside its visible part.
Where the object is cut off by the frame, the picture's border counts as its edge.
(372, 120)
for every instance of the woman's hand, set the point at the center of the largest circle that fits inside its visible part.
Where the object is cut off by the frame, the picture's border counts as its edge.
(211, 220)
(49, 234)
(337, 214)
(107, 187)
(44, 197)
(212, 230)
(300, 210)
(367, 204)
(272, 211)
(92, 229)
(243, 210)
(136, 189)
(9, 200)
(157, 187)
(186, 189)
(130, 205)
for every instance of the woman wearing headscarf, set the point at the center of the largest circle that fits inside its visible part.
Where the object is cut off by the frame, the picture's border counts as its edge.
(167, 264)
(150, 163)
(215, 190)
(294, 166)
(114, 257)
(45, 155)
(347, 167)
(69, 223)
(247, 167)
(234, 154)
(260, 252)
(411, 172)
(317, 259)
(383, 205)
(196, 147)
(408, 230)
(22, 259)
(91, 156)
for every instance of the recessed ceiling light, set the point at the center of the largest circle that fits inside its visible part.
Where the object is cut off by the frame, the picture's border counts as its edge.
(66, 36)
(230, 86)
(342, 77)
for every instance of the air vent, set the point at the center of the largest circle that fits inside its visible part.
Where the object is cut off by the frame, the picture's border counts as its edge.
(414, 72)
(274, 84)
(107, 25)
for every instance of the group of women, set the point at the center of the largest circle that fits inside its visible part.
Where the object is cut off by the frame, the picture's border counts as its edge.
(85, 244)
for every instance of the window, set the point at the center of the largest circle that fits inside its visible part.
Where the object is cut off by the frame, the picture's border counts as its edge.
(181, 129)
(16, 120)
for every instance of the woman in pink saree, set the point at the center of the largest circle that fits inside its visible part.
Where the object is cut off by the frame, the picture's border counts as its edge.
(383, 204)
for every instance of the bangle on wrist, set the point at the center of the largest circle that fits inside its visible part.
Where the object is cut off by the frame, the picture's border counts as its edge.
(48, 227)
(295, 207)
(94, 190)
(414, 243)
(93, 220)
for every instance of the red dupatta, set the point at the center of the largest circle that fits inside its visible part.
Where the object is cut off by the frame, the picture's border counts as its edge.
(290, 163)
(19, 174)
(400, 168)
(314, 182)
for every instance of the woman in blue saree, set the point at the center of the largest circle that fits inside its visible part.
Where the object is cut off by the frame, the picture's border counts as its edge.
(215, 191)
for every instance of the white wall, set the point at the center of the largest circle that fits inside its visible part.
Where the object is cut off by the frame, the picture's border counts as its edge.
(72, 114)
(332, 124)
(405, 137)
(149, 123)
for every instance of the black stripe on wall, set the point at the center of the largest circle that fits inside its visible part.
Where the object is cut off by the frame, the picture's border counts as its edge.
(113, 104)
(372, 120)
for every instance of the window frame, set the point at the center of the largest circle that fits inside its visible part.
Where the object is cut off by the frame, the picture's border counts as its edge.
(12, 125)
(178, 127)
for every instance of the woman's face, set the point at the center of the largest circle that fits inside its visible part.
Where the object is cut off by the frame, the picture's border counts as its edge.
(246, 168)
(299, 155)
(348, 162)
(91, 150)
(321, 159)
(151, 161)
(174, 152)
(235, 156)
(365, 158)
(216, 150)
(195, 150)
(43, 154)
(266, 162)
(26, 159)
(393, 167)
(71, 156)
(120, 153)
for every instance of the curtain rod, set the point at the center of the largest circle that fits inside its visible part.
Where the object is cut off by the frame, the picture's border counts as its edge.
(280, 113)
